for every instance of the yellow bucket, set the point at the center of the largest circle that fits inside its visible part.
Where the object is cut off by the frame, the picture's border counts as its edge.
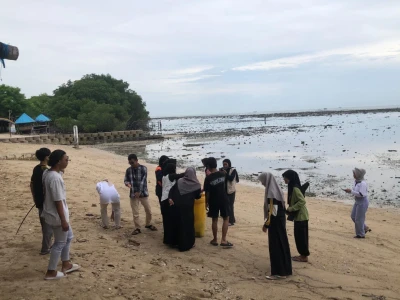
(200, 216)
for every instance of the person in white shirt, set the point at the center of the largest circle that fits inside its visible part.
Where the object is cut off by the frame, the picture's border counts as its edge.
(360, 192)
(56, 214)
(109, 194)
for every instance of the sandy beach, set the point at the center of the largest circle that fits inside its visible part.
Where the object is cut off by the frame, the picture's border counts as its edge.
(116, 265)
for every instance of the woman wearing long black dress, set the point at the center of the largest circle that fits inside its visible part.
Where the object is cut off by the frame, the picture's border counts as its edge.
(181, 199)
(168, 181)
(274, 214)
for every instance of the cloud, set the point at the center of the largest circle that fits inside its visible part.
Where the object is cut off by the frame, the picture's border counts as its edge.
(381, 51)
(191, 71)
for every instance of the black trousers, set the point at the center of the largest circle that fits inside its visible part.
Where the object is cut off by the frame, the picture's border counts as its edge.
(301, 237)
(231, 198)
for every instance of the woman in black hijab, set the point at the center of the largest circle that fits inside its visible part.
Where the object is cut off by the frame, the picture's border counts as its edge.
(298, 209)
(181, 199)
(231, 179)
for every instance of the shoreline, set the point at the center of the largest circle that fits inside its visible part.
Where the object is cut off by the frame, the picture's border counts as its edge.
(311, 113)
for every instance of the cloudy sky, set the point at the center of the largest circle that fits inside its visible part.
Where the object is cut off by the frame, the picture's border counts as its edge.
(212, 56)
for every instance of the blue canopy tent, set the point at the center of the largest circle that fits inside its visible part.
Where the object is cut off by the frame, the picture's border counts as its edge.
(24, 119)
(42, 118)
(24, 123)
(42, 124)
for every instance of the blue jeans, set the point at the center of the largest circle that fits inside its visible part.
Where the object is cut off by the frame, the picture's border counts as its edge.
(358, 215)
(62, 242)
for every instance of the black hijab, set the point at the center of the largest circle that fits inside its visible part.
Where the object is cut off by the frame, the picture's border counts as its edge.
(168, 169)
(162, 160)
(294, 181)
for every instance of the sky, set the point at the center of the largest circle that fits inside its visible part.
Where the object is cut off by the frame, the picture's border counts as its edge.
(212, 56)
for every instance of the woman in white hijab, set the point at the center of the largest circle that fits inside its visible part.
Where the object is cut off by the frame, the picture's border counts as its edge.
(275, 223)
(360, 192)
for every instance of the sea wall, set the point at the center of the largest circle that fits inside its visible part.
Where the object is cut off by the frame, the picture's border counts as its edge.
(84, 138)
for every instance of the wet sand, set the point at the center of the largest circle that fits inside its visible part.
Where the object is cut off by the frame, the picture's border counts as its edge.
(116, 265)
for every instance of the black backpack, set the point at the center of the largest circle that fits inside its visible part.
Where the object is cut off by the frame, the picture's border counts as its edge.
(304, 188)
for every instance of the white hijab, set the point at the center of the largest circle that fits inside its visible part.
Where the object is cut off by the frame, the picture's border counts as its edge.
(272, 190)
(359, 174)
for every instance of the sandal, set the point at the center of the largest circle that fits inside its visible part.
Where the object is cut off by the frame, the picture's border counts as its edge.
(299, 259)
(227, 244)
(151, 227)
(214, 243)
(136, 231)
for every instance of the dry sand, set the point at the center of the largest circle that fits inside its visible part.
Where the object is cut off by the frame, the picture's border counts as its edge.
(340, 266)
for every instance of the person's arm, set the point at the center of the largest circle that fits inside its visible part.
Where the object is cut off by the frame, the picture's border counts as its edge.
(232, 176)
(197, 194)
(144, 179)
(127, 182)
(300, 200)
(207, 191)
(159, 176)
(359, 190)
(60, 211)
(173, 177)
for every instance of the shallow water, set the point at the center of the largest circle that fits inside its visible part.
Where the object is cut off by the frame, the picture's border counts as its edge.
(323, 149)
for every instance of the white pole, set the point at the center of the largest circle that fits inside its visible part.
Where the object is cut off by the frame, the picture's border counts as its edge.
(76, 137)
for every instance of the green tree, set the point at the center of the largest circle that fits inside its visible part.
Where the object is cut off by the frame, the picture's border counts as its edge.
(11, 99)
(37, 105)
(99, 103)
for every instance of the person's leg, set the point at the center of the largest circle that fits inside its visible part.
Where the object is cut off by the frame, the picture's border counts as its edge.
(66, 263)
(47, 233)
(147, 209)
(104, 216)
(224, 211)
(301, 239)
(232, 216)
(60, 239)
(135, 212)
(360, 219)
(365, 205)
(225, 226)
(116, 207)
(215, 230)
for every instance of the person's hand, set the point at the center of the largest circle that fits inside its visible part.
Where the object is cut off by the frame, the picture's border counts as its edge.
(137, 195)
(129, 185)
(264, 229)
(223, 171)
(348, 191)
(171, 202)
(64, 225)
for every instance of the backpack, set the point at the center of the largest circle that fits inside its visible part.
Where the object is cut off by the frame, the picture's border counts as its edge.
(304, 188)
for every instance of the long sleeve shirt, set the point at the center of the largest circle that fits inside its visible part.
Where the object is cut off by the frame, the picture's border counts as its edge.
(137, 177)
(360, 189)
(298, 203)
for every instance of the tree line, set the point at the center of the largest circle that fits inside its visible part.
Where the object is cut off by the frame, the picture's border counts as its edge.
(95, 103)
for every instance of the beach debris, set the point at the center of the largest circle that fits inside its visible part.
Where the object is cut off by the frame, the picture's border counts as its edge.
(133, 242)
(94, 205)
(90, 215)
(159, 262)
(81, 240)
(374, 297)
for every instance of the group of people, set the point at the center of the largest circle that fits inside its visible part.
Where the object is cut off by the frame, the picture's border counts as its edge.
(177, 194)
